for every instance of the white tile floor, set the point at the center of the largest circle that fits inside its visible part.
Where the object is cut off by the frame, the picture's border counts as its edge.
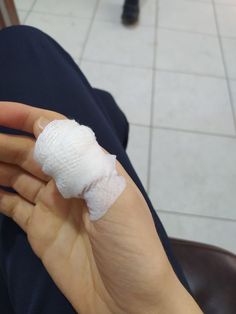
(174, 75)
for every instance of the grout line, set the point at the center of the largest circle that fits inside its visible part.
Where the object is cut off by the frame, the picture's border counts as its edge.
(152, 98)
(225, 4)
(191, 73)
(217, 3)
(89, 30)
(167, 128)
(29, 11)
(117, 22)
(194, 132)
(62, 15)
(181, 130)
(25, 11)
(141, 67)
(33, 5)
(139, 124)
(98, 20)
(228, 37)
(195, 215)
(201, 1)
(224, 65)
(118, 64)
(187, 31)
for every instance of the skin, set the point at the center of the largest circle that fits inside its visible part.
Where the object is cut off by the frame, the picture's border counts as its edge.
(114, 265)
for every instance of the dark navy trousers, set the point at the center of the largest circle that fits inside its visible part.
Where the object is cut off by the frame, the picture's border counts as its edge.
(36, 71)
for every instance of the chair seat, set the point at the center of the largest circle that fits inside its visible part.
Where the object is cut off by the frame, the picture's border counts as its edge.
(211, 273)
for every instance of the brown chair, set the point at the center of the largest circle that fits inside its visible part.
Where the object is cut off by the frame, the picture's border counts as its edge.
(211, 273)
(8, 14)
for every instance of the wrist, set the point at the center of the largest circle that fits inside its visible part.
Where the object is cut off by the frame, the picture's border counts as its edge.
(170, 297)
(176, 299)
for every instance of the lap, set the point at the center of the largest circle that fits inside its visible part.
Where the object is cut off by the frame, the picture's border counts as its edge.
(38, 72)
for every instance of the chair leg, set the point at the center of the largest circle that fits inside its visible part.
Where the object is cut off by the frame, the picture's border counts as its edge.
(8, 14)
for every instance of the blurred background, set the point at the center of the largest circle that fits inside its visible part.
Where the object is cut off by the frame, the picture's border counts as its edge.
(174, 76)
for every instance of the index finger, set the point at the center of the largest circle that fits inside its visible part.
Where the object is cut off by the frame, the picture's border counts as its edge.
(23, 117)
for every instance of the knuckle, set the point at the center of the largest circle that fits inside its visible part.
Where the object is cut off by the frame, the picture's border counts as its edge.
(37, 193)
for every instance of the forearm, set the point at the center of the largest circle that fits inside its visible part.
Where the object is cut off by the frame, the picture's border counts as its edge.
(167, 295)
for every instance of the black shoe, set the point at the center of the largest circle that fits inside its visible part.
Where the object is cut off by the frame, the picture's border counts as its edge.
(130, 14)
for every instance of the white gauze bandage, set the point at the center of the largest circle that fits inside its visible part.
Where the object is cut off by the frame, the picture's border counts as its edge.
(70, 154)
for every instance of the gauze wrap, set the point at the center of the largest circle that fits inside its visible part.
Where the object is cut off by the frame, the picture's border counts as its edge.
(70, 154)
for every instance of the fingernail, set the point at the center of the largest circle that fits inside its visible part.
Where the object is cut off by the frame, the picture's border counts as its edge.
(43, 122)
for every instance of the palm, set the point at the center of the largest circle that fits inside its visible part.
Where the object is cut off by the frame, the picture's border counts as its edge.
(57, 235)
(69, 245)
(101, 266)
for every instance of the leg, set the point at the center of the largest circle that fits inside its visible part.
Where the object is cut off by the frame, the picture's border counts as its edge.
(130, 12)
(38, 72)
(5, 303)
(118, 119)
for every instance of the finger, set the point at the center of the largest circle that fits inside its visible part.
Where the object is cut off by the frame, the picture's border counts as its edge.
(18, 150)
(23, 117)
(15, 207)
(23, 183)
(39, 125)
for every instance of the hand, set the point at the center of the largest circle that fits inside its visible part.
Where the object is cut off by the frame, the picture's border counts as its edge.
(114, 265)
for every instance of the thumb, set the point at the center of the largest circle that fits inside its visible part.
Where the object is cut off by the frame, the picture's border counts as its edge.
(39, 125)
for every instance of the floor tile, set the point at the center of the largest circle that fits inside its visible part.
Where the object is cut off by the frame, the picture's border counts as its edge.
(203, 1)
(111, 10)
(22, 15)
(193, 102)
(23, 4)
(190, 173)
(148, 12)
(233, 91)
(225, 2)
(80, 8)
(131, 88)
(189, 52)
(59, 27)
(138, 147)
(226, 16)
(187, 15)
(193, 173)
(208, 231)
(229, 48)
(78, 61)
(111, 42)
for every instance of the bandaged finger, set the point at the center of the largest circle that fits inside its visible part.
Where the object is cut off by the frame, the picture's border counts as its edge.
(70, 154)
